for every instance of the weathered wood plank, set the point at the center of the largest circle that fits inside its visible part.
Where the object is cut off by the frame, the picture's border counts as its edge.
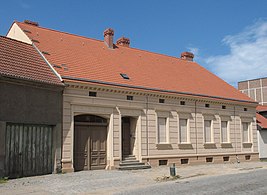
(7, 163)
(34, 149)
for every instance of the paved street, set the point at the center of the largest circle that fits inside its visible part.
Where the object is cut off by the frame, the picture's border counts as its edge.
(254, 182)
(232, 178)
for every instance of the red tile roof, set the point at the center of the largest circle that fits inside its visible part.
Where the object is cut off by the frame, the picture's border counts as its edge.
(261, 121)
(90, 60)
(21, 60)
(261, 108)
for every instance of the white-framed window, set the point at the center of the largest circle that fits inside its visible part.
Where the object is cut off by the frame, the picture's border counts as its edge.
(224, 132)
(208, 131)
(184, 136)
(162, 130)
(246, 132)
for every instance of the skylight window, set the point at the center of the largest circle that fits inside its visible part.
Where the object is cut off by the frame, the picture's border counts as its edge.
(125, 76)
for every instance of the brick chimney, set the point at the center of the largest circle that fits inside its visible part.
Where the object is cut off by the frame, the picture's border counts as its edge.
(187, 56)
(108, 37)
(31, 22)
(123, 41)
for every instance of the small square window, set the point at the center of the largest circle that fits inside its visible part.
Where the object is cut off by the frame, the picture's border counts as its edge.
(162, 101)
(245, 109)
(207, 105)
(92, 93)
(223, 107)
(129, 97)
(182, 102)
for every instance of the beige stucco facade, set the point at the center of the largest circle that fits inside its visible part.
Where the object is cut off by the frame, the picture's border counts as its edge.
(111, 103)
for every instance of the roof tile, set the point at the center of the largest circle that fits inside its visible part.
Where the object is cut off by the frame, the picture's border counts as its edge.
(90, 59)
(21, 60)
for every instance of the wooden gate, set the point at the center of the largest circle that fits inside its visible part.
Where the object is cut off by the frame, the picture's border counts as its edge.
(28, 150)
(90, 147)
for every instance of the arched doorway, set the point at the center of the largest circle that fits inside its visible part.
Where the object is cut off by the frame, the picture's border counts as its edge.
(90, 142)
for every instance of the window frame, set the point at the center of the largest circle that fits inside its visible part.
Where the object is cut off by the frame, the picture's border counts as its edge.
(188, 141)
(211, 132)
(248, 132)
(227, 132)
(166, 129)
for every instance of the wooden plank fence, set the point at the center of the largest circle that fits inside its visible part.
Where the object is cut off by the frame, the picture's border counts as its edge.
(28, 150)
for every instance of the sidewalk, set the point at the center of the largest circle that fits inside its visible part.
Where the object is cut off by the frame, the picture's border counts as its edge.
(109, 182)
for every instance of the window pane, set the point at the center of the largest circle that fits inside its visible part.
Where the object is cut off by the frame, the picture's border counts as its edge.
(224, 134)
(245, 132)
(183, 130)
(162, 130)
(207, 130)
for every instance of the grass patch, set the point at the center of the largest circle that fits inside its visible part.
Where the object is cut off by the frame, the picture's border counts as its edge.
(3, 180)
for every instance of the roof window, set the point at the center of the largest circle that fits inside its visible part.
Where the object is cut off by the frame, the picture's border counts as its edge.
(125, 76)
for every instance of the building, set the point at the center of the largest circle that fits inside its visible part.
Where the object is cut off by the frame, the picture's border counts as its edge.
(256, 89)
(262, 131)
(125, 103)
(30, 112)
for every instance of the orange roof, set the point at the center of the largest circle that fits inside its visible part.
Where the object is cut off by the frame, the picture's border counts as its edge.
(261, 121)
(91, 60)
(21, 60)
(261, 108)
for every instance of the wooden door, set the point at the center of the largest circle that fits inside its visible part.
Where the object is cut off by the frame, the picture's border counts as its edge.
(98, 135)
(28, 150)
(81, 148)
(90, 147)
(126, 136)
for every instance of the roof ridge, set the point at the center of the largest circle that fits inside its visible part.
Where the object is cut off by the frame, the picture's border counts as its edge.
(93, 39)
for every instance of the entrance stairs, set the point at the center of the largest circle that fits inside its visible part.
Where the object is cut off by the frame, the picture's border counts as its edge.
(129, 162)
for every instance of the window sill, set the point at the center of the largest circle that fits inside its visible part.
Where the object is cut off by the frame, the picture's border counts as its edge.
(226, 145)
(185, 146)
(164, 146)
(247, 145)
(210, 146)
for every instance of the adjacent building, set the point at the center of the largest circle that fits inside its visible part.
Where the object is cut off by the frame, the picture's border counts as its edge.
(123, 103)
(256, 89)
(30, 112)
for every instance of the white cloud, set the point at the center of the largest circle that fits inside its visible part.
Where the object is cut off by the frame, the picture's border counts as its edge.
(247, 58)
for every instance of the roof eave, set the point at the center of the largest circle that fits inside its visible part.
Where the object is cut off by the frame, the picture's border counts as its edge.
(156, 89)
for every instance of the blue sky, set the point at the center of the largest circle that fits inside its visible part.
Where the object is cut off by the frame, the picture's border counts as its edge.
(228, 37)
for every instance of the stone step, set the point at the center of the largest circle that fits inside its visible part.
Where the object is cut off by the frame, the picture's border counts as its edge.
(134, 163)
(129, 158)
(130, 161)
(134, 167)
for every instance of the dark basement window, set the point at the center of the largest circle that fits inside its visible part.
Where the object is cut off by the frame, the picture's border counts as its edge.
(207, 105)
(92, 93)
(223, 107)
(125, 76)
(162, 101)
(163, 162)
(129, 97)
(245, 109)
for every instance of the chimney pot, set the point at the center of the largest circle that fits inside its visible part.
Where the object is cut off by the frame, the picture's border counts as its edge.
(108, 37)
(123, 41)
(187, 56)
